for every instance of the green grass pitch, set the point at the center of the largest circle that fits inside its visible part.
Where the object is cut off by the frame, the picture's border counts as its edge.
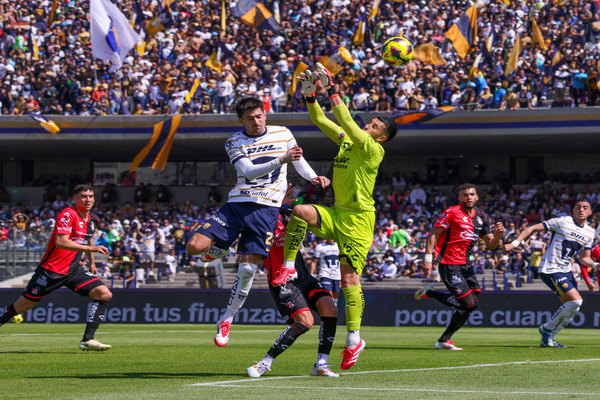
(40, 361)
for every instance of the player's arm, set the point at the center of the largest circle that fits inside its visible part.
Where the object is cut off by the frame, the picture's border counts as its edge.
(63, 242)
(493, 239)
(530, 230)
(341, 112)
(306, 171)
(313, 266)
(585, 259)
(429, 247)
(251, 171)
(586, 278)
(317, 116)
(90, 257)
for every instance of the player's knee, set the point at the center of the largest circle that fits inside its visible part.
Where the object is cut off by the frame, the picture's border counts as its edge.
(468, 304)
(302, 211)
(305, 318)
(299, 327)
(246, 270)
(101, 293)
(326, 307)
(197, 245)
(573, 306)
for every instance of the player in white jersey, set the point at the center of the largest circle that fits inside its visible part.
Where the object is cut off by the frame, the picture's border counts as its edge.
(570, 235)
(328, 255)
(260, 155)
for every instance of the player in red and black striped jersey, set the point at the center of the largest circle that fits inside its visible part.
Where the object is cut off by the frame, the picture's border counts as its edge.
(454, 234)
(295, 300)
(595, 255)
(60, 266)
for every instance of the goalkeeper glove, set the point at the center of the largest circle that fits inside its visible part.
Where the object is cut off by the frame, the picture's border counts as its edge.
(308, 79)
(326, 79)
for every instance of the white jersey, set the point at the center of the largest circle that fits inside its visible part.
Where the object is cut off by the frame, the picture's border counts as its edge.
(329, 260)
(567, 240)
(270, 188)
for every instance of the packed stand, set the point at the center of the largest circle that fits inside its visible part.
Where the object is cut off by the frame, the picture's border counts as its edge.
(150, 225)
(66, 80)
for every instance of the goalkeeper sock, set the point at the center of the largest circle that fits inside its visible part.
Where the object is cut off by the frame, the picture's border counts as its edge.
(355, 305)
(296, 231)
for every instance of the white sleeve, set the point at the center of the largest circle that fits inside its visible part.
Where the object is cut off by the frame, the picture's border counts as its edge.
(304, 169)
(252, 171)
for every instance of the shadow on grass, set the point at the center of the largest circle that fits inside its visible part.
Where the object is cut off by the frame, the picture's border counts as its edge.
(36, 352)
(139, 375)
(430, 348)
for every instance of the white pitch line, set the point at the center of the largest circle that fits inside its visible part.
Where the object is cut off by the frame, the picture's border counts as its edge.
(393, 370)
(370, 389)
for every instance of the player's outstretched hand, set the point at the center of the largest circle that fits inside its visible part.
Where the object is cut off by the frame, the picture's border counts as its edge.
(293, 154)
(289, 198)
(308, 79)
(320, 180)
(498, 229)
(591, 287)
(100, 249)
(427, 267)
(325, 76)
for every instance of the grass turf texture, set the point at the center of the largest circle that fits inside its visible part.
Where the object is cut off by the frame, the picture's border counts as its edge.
(40, 361)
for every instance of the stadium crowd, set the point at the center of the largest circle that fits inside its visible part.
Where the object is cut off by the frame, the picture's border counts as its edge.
(150, 224)
(65, 79)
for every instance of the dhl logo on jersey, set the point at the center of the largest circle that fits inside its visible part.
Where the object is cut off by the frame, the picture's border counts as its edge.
(262, 149)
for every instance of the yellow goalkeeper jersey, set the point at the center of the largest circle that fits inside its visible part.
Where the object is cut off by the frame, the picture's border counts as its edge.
(357, 161)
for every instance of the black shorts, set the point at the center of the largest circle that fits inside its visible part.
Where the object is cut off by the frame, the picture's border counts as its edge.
(44, 281)
(460, 280)
(298, 296)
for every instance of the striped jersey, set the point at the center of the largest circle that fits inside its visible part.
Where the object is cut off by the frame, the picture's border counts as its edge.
(270, 188)
(68, 222)
(329, 260)
(461, 233)
(566, 241)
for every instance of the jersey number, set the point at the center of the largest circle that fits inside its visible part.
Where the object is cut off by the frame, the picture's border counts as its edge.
(569, 249)
(262, 181)
(269, 239)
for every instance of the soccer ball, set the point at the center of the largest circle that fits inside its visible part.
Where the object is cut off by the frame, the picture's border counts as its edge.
(397, 51)
(17, 319)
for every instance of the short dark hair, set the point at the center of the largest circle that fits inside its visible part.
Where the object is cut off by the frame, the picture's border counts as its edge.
(248, 104)
(466, 186)
(84, 187)
(390, 127)
(584, 201)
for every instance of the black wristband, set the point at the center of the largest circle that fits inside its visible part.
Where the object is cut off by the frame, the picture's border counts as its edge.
(310, 99)
(331, 91)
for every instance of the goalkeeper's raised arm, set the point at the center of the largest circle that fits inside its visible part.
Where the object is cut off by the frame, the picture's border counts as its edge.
(380, 129)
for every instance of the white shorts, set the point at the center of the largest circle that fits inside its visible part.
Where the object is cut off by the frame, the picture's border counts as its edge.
(147, 257)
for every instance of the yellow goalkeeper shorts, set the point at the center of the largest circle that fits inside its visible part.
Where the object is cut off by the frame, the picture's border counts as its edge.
(352, 231)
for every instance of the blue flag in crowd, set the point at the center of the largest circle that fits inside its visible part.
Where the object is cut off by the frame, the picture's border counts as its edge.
(112, 36)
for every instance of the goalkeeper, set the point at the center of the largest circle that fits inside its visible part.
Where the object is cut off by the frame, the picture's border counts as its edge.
(351, 221)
